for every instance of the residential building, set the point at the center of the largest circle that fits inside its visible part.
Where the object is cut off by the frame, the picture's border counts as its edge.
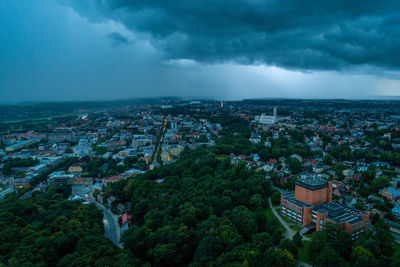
(20, 183)
(396, 210)
(83, 148)
(59, 135)
(75, 169)
(60, 177)
(22, 144)
(165, 157)
(390, 193)
(255, 138)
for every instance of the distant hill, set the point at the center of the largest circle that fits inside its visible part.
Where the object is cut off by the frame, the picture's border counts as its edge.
(43, 110)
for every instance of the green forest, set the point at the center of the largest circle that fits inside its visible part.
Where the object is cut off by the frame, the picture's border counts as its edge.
(48, 230)
(205, 212)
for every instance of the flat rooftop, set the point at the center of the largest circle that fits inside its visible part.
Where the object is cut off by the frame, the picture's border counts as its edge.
(340, 213)
(290, 198)
(312, 182)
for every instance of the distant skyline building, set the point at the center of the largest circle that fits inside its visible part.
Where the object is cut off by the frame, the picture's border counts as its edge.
(59, 136)
(268, 119)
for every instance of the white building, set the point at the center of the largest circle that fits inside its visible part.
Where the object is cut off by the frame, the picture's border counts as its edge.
(267, 119)
(83, 148)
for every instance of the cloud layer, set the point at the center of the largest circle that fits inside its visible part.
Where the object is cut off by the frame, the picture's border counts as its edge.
(117, 39)
(293, 34)
(109, 49)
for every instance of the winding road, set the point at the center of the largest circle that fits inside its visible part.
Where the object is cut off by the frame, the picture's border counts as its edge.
(289, 232)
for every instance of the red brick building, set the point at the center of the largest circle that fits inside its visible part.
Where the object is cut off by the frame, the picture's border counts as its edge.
(311, 203)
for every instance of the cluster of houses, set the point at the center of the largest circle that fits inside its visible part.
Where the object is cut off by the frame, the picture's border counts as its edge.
(155, 136)
(330, 135)
(142, 132)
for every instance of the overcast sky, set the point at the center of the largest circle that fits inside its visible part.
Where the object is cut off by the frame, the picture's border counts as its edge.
(227, 49)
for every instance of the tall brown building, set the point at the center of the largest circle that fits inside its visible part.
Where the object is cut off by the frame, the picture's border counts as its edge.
(313, 190)
(311, 203)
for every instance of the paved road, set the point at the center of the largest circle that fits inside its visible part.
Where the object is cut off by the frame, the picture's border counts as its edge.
(282, 191)
(155, 160)
(111, 225)
(289, 232)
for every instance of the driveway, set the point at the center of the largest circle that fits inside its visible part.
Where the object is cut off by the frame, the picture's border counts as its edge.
(280, 190)
(289, 232)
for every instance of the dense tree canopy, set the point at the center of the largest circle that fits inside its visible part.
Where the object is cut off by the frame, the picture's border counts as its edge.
(204, 212)
(47, 230)
(18, 162)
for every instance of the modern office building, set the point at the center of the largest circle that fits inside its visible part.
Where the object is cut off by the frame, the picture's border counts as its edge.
(311, 204)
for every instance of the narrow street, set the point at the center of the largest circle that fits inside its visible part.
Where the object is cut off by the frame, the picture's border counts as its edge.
(111, 225)
(160, 142)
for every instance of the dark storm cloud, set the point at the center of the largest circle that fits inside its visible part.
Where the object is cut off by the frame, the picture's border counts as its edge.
(295, 34)
(117, 39)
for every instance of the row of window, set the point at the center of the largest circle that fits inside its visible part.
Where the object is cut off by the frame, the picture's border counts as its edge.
(355, 235)
(290, 211)
(356, 227)
(293, 207)
(292, 215)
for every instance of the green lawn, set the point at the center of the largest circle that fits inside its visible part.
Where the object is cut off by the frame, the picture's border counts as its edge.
(291, 223)
(302, 252)
(295, 227)
(309, 235)
(222, 157)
